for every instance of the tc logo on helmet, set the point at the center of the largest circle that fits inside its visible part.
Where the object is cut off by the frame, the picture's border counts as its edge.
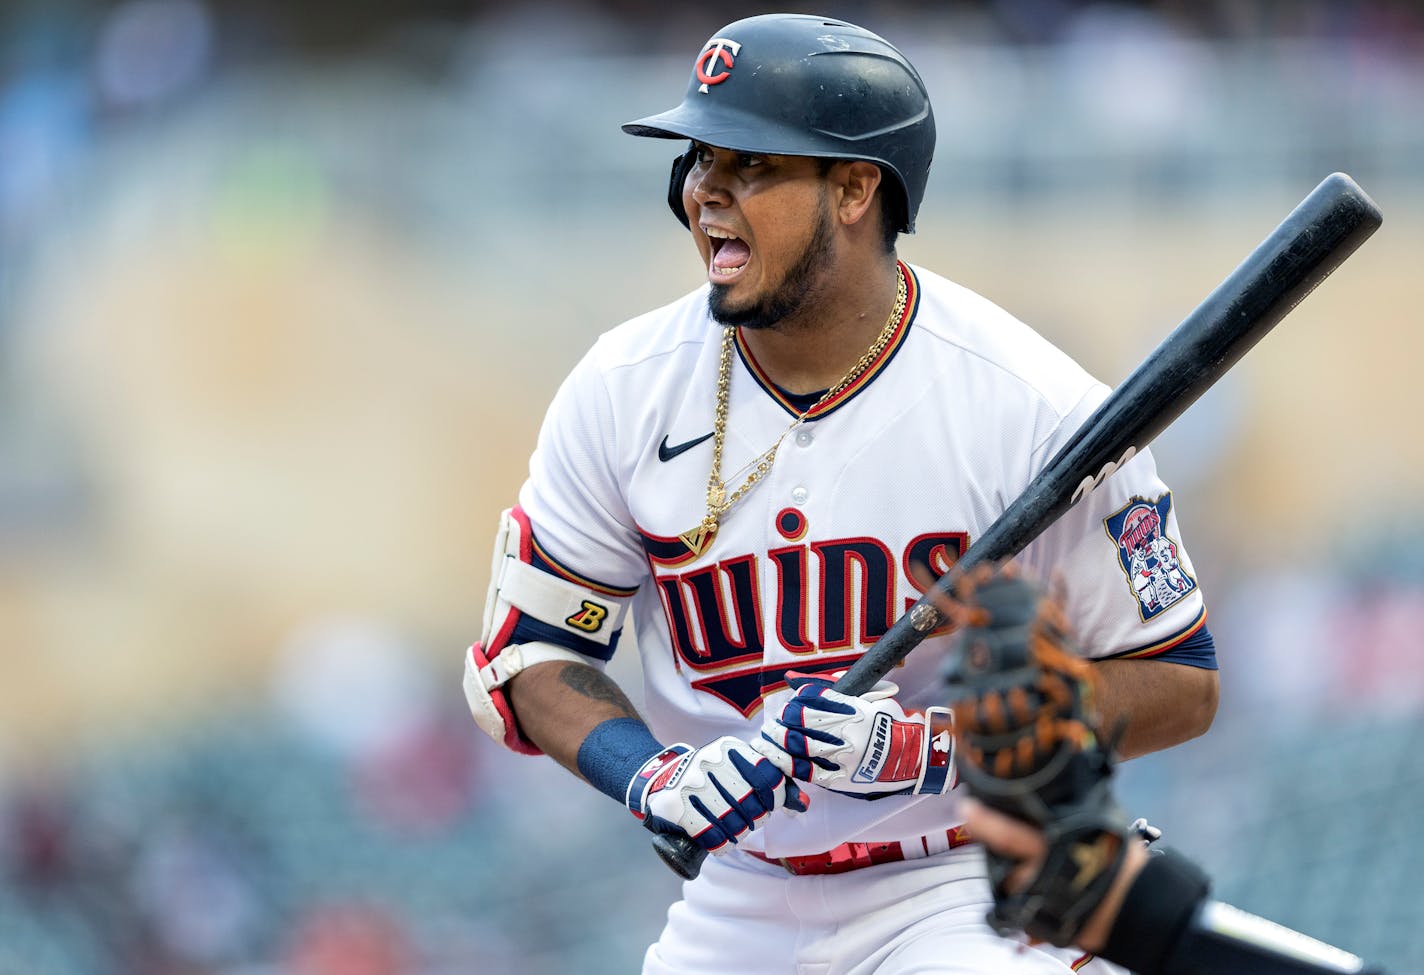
(717, 49)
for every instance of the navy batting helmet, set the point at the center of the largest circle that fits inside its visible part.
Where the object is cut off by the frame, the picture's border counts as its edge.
(797, 85)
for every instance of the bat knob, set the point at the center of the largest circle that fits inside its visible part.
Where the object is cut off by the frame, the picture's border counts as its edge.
(682, 855)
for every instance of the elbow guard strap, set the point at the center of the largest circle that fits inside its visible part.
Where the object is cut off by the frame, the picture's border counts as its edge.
(518, 588)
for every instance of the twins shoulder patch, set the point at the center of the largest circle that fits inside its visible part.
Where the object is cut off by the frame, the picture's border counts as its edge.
(1148, 555)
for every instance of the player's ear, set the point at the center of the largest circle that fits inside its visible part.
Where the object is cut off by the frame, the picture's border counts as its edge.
(855, 183)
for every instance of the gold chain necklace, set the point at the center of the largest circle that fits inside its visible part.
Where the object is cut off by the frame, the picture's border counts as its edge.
(719, 502)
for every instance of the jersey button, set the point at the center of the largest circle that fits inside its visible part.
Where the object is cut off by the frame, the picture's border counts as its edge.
(803, 438)
(799, 495)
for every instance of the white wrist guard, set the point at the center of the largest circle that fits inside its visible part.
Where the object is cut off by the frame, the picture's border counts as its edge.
(518, 588)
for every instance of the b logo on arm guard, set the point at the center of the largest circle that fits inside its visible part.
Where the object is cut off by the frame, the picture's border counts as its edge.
(589, 618)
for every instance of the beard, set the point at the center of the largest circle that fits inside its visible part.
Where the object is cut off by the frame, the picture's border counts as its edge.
(789, 296)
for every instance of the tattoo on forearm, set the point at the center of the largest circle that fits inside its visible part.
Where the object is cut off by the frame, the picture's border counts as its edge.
(595, 686)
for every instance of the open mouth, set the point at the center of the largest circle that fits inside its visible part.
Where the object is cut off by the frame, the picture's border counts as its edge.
(729, 252)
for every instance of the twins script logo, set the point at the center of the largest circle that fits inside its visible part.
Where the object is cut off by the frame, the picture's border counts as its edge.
(818, 602)
(717, 49)
(1148, 555)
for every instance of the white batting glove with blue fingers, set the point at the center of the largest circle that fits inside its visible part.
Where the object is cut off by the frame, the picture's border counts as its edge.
(715, 794)
(867, 746)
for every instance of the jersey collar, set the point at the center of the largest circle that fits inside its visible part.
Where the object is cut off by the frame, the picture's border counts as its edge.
(876, 367)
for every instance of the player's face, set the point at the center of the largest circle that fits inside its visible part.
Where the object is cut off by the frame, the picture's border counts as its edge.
(764, 229)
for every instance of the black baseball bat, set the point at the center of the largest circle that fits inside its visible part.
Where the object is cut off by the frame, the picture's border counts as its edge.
(1318, 235)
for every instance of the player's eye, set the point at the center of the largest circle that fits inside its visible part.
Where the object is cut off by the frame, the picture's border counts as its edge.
(705, 157)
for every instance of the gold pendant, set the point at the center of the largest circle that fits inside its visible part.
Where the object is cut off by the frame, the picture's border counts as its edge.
(697, 539)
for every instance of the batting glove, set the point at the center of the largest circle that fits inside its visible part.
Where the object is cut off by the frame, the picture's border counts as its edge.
(714, 794)
(866, 747)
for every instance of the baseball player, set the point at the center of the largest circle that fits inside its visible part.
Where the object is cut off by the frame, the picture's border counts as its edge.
(752, 476)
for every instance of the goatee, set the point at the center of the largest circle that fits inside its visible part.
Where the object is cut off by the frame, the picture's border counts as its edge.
(799, 282)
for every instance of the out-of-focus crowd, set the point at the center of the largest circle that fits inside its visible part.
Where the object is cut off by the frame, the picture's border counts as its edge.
(284, 289)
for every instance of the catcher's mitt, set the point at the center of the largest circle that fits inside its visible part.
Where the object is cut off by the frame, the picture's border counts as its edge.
(1029, 746)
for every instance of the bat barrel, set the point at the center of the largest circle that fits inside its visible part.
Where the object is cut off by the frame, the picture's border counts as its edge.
(1316, 238)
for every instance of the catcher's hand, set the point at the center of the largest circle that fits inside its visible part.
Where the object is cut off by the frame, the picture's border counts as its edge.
(1029, 746)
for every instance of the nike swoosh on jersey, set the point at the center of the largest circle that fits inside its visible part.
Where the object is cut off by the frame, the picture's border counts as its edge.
(666, 453)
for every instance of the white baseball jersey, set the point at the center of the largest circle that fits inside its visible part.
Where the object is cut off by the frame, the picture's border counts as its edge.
(910, 464)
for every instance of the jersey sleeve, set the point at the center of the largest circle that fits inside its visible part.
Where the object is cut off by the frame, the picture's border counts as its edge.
(574, 495)
(1118, 554)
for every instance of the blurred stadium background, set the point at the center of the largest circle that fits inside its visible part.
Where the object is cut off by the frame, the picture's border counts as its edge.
(284, 290)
